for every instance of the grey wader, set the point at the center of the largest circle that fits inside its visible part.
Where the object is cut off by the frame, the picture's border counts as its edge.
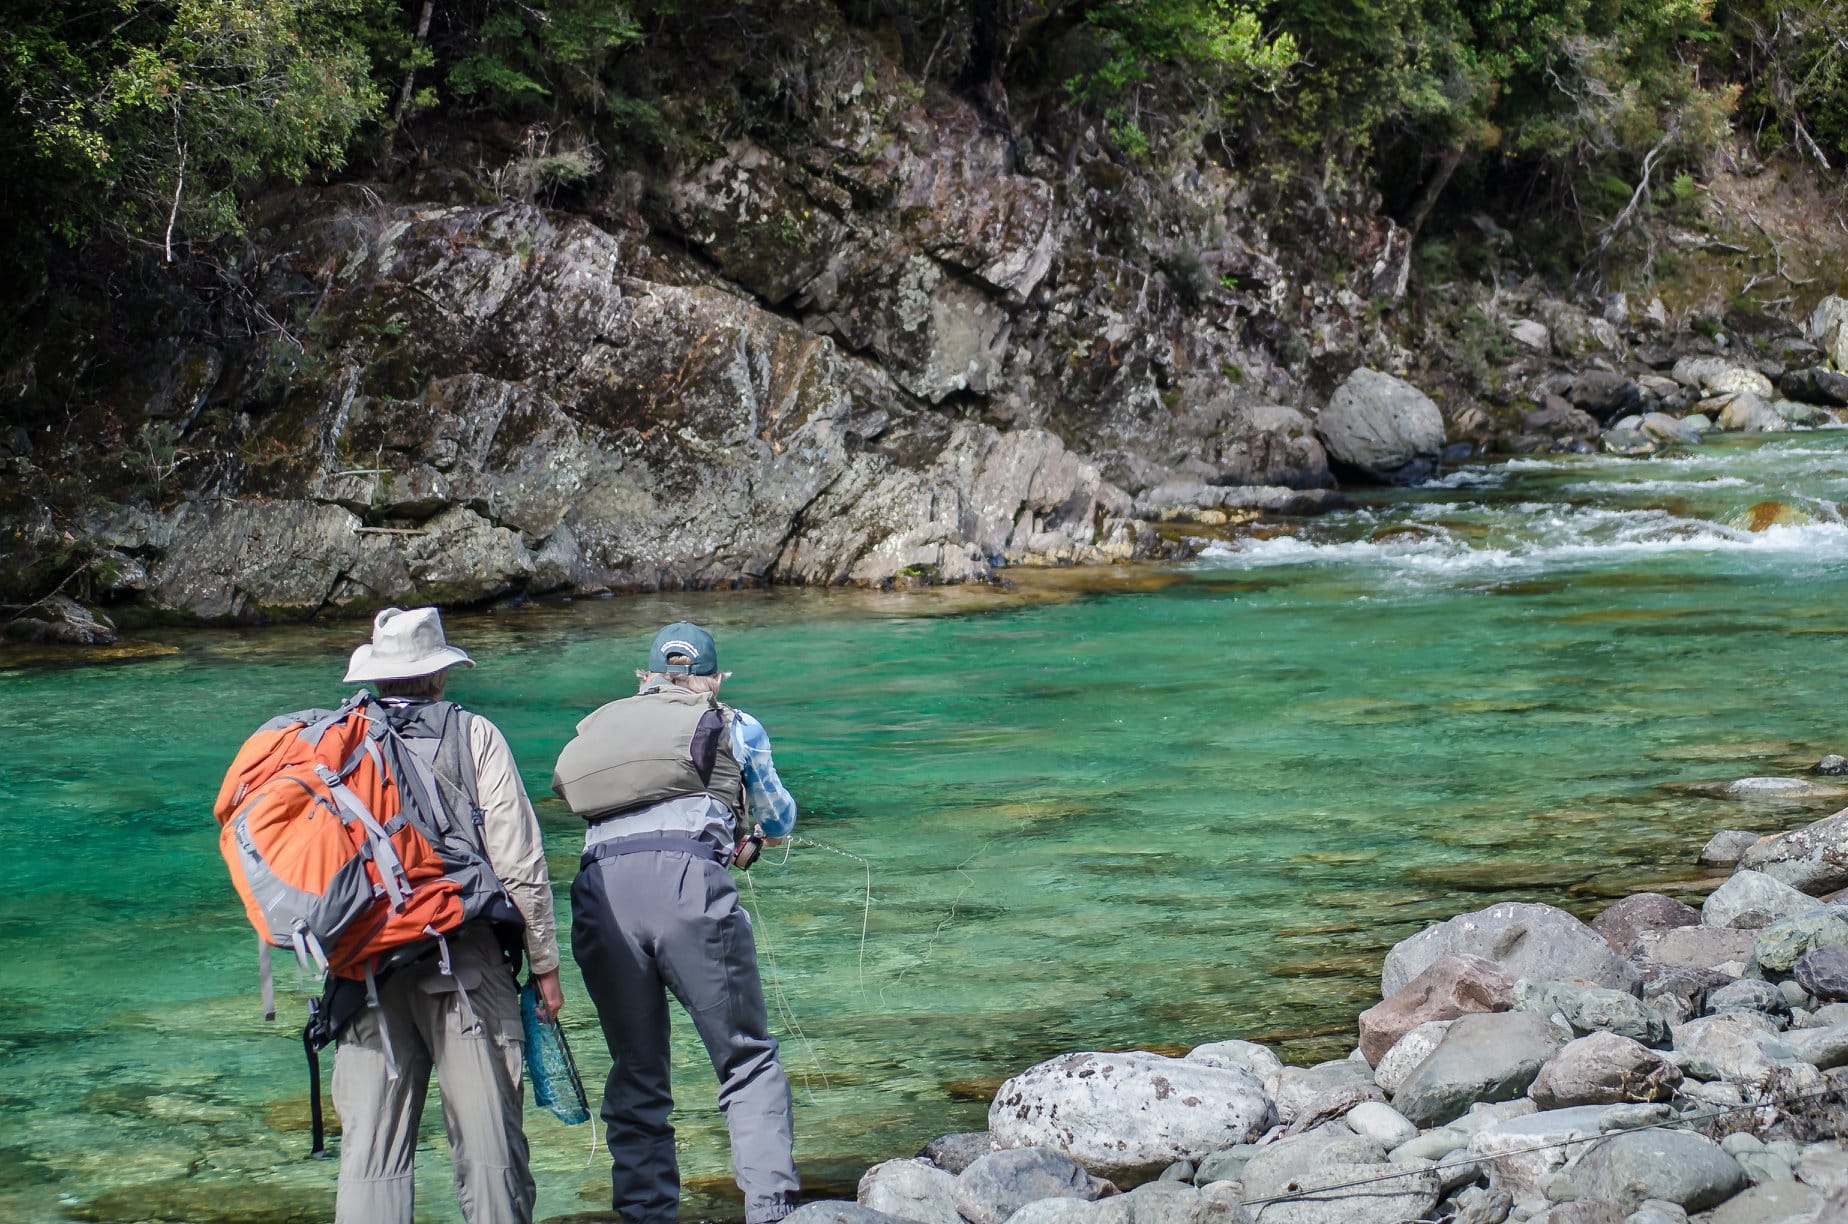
(659, 912)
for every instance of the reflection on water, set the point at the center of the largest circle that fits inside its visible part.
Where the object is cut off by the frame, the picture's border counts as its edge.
(1198, 806)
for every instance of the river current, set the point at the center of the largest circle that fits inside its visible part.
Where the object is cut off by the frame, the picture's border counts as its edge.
(1147, 808)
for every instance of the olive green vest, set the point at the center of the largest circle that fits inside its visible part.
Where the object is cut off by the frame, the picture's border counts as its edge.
(664, 744)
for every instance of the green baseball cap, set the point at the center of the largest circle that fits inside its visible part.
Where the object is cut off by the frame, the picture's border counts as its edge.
(684, 638)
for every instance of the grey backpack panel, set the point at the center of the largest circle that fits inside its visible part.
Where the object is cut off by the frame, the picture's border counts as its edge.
(663, 744)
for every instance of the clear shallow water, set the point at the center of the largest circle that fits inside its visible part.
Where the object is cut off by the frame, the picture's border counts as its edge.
(1197, 807)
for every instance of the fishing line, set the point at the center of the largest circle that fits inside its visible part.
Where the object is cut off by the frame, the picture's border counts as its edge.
(866, 910)
(782, 1000)
(930, 944)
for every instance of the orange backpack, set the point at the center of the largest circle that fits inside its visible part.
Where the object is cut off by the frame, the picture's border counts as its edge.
(335, 858)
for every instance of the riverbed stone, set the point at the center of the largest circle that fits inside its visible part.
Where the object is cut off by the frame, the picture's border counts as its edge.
(1785, 1201)
(1586, 1008)
(1527, 939)
(1506, 1147)
(839, 1211)
(1782, 944)
(1381, 1123)
(1667, 429)
(956, 1152)
(1655, 1211)
(1383, 426)
(1486, 1056)
(1812, 859)
(1130, 1115)
(1828, 330)
(1745, 412)
(1407, 1053)
(1001, 1183)
(1244, 1055)
(1815, 385)
(1587, 1211)
(1450, 986)
(1822, 1048)
(1703, 947)
(1605, 394)
(1727, 847)
(1309, 1162)
(1823, 972)
(1604, 1069)
(1738, 1047)
(1752, 900)
(60, 619)
(912, 1189)
(1749, 995)
(1681, 1168)
(1679, 992)
(1622, 922)
(1825, 1166)
(1308, 1096)
(1774, 789)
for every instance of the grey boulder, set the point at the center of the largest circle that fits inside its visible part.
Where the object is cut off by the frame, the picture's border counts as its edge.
(1727, 847)
(1407, 1052)
(1771, 1202)
(1521, 1153)
(1752, 899)
(1244, 1055)
(1001, 1183)
(1623, 922)
(1749, 995)
(838, 1211)
(1604, 1069)
(1487, 1056)
(1130, 1115)
(1587, 1009)
(1529, 940)
(1308, 1096)
(1823, 972)
(1382, 426)
(911, 1189)
(1812, 859)
(1700, 947)
(1782, 944)
(1675, 1166)
(956, 1152)
(1301, 1168)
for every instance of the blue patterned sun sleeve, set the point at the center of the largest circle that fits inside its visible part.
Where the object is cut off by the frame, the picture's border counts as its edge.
(773, 808)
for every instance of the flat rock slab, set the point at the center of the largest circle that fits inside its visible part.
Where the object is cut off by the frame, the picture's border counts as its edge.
(1704, 947)
(1773, 1202)
(1311, 1162)
(1491, 1056)
(1675, 1166)
(1528, 940)
(1128, 1116)
(1507, 1147)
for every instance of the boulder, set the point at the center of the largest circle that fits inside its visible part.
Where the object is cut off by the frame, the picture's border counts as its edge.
(1812, 859)
(1603, 1069)
(1130, 1115)
(1703, 947)
(1528, 940)
(1784, 790)
(839, 1211)
(956, 1152)
(1782, 944)
(1822, 1048)
(1589, 1211)
(1828, 330)
(1823, 972)
(1621, 923)
(1604, 395)
(1491, 1056)
(1726, 848)
(60, 619)
(1300, 1167)
(1001, 1183)
(1629, 442)
(1800, 413)
(1815, 385)
(1825, 1166)
(1407, 1053)
(1587, 1009)
(1244, 1055)
(913, 1189)
(1738, 380)
(1168, 1202)
(1679, 992)
(1558, 418)
(1681, 1168)
(1382, 426)
(1450, 986)
(1750, 900)
(1309, 1096)
(1669, 430)
(1738, 1047)
(1381, 1123)
(1745, 412)
(1749, 995)
(1531, 334)
(1509, 1148)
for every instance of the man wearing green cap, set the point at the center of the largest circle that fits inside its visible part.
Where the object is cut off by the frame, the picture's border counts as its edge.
(676, 788)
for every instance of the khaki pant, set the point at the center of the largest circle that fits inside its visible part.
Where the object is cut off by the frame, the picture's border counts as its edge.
(477, 1050)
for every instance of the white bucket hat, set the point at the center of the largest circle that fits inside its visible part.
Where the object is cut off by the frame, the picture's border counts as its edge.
(404, 645)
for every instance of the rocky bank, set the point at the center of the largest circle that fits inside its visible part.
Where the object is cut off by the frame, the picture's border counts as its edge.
(891, 339)
(1659, 1065)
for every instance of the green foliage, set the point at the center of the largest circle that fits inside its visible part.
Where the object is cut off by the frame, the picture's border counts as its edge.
(1791, 59)
(524, 54)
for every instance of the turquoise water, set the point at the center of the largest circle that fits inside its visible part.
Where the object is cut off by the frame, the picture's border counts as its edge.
(1195, 806)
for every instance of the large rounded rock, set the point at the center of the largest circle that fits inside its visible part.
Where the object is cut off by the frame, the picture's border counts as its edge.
(1812, 859)
(1130, 1115)
(1782, 944)
(1488, 1056)
(1528, 940)
(1751, 899)
(1824, 973)
(1623, 922)
(1296, 1171)
(1726, 848)
(1509, 1148)
(911, 1189)
(1449, 987)
(1749, 995)
(1245, 1055)
(1382, 426)
(1001, 1183)
(1587, 1009)
(1674, 1166)
(1604, 1069)
(1309, 1096)
(1815, 385)
(1746, 412)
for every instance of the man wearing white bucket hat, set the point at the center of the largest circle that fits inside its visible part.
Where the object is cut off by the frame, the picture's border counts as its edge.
(457, 1014)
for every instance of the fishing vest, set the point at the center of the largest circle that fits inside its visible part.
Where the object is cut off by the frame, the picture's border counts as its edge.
(666, 743)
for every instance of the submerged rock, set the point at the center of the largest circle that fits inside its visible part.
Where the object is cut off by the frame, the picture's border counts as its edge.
(1726, 848)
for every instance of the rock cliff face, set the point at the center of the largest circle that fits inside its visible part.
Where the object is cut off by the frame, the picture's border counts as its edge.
(901, 343)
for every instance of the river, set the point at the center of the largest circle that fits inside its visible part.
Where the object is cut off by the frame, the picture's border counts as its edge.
(1152, 807)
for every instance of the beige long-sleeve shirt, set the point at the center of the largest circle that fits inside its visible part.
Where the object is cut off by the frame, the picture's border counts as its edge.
(512, 839)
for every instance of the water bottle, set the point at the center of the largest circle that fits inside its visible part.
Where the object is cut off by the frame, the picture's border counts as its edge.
(548, 1062)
